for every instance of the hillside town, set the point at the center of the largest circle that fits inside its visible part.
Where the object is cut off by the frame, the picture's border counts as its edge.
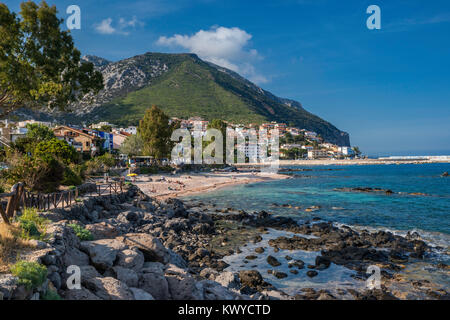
(295, 143)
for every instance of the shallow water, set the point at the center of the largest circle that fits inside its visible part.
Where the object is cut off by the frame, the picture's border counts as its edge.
(429, 215)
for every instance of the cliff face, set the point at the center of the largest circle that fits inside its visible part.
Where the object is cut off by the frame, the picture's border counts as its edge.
(184, 86)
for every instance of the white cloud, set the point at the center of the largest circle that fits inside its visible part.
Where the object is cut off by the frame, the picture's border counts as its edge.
(226, 47)
(106, 26)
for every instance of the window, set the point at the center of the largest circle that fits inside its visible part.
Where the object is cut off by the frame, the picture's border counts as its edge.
(87, 143)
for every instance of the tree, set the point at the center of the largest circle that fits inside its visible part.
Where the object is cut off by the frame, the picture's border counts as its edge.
(132, 146)
(39, 65)
(56, 149)
(106, 128)
(356, 151)
(38, 133)
(155, 132)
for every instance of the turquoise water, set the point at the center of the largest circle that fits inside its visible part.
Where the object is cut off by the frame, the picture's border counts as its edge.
(428, 214)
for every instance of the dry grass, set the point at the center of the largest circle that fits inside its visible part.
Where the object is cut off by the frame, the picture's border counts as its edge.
(11, 245)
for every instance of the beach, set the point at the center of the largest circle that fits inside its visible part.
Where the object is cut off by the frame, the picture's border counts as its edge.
(179, 185)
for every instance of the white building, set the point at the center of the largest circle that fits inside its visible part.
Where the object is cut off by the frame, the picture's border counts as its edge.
(346, 151)
(316, 154)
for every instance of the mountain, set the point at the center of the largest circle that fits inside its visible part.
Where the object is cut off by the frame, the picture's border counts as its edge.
(183, 86)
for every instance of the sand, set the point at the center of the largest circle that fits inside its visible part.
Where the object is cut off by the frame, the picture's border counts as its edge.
(171, 186)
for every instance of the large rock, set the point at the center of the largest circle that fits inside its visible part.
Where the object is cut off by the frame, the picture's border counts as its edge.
(127, 276)
(151, 247)
(229, 280)
(211, 290)
(73, 256)
(103, 253)
(102, 230)
(131, 259)
(109, 289)
(8, 284)
(79, 294)
(251, 278)
(156, 284)
(140, 294)
(182, 284)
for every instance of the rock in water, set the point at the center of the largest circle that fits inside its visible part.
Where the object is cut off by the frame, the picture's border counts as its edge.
(273, 261)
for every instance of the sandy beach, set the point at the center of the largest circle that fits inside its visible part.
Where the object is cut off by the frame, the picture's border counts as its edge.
(170, 186)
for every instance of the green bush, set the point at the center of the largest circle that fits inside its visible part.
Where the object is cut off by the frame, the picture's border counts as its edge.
(30, 274)
(51, 295)
(32, 225)
(82, 233)
(70, 178)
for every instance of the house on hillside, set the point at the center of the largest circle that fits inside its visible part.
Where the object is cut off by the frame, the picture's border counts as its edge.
(80, 140)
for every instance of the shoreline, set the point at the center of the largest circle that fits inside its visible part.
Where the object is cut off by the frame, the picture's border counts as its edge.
(328, 162)
(167, 186)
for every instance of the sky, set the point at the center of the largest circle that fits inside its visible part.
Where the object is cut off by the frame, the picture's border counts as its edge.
(388, 88)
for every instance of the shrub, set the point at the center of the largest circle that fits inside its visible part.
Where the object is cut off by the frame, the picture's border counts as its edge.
(10, 244)
(56, 149)
(51, 295)
(30, 274)
(33, 226)
(82, 233)
(70, 178)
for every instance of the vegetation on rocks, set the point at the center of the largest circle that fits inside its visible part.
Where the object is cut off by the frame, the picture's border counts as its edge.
(82, 233)
(32, 225)
(30, 274)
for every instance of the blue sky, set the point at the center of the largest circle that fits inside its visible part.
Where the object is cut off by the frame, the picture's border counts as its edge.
(388, 88)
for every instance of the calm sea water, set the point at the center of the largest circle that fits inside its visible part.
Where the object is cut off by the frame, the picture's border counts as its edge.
(429, 215)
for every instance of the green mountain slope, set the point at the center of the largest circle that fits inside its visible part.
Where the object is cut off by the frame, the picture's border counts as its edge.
(185, 86)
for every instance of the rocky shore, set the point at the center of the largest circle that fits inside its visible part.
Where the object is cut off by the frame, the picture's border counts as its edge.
(145, 249)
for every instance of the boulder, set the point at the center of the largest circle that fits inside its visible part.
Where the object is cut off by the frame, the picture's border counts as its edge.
(181, 284)
(73, 256)
(140, 294)
(8, 284)
(273, 261)
(131, 259)
(229, 280)
(102, 230)
(127, 276)
(211, 290)
(251, 278)
(156, 284)
(79, 294)
(109, 288)
(103, 253)
(151, 247)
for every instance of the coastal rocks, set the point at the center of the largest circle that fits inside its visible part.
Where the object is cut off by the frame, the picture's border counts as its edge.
(131, 259)
(155, 284)
(109, 288)
(139, 294)
(102, 230)
(273, 261)
(150, 246)
(79, 294)
(103, 253)
(126, 276)
(229, 280)
(181, 284)
(445, 174)
(299, 264)
(279, 274)
(251, 278)
(259, 250)
(312, 273)
(211, 290)
(8, 285)
(312, 209)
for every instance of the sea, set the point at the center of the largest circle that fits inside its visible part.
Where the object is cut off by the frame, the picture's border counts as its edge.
(420, 203)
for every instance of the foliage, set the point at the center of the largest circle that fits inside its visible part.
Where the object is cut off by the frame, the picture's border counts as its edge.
(32, 225)
(100, 164)
(39, 64)
(30, 274)
(293, 153)
(155, 131)
(51, 295)
(37, 174)
(56, 149)
(82, 233)
(106, 128)
(70, 178)
(132, 146)
(38, 132)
